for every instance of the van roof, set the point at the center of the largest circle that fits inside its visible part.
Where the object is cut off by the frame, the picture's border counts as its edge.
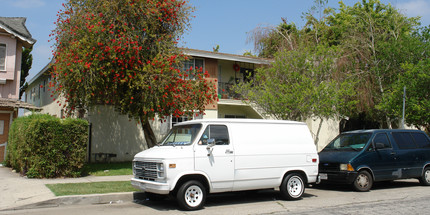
(228, 120)
(382, 130)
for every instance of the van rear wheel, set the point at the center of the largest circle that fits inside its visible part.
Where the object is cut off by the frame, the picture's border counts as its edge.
(191, 195)
(425, 178)
(292, 187)
(363, 182)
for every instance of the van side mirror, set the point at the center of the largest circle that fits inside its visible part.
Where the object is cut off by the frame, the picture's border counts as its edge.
(379, 146)
(211, 143)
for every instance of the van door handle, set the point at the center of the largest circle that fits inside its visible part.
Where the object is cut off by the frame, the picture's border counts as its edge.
(228, 151)
(393, 153)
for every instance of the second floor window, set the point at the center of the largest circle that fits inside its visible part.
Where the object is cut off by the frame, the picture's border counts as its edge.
(2, 57)
(193, 64)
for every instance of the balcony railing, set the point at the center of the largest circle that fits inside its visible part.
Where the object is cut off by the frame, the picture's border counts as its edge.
(225, 91)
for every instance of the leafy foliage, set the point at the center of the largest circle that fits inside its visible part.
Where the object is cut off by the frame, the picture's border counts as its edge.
(26, 62)
(43, 146)
(371, 41)
(124, 53)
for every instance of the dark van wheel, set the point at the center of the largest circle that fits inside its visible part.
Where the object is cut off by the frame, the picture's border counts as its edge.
(363, 182)
(191, 195)
(425, 178)
(292, 187)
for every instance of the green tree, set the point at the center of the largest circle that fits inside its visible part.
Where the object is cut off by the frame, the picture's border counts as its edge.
(375, 39)
(26, 62)
(125, 54)
(415, 78)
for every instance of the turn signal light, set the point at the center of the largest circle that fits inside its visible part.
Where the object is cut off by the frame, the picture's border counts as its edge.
(346, 167)
(172, 165)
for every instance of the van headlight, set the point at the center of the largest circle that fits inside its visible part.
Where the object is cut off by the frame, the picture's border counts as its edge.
(346, 167)
(160, 170)
(160, 167)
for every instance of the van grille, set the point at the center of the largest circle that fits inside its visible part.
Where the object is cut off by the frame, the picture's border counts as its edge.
(323, 167)
(145, 170)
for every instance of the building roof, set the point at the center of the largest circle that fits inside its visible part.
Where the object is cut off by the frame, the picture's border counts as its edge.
(4, 102)
(16, 27)
(194, 53)
(225, 56)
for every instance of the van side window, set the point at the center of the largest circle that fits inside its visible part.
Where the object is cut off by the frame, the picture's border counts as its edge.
(421, 140)
(404, 140)
(217, 132)
(382, 138)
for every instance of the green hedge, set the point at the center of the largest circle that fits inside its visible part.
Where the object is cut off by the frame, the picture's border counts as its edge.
(43, 146)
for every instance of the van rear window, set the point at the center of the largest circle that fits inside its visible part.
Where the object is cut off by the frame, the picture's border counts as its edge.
(421, 140)
(404, 140)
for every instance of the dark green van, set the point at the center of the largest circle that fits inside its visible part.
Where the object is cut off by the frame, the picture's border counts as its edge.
(362, 157)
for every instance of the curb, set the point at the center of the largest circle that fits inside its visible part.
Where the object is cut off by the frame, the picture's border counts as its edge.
(92, 199)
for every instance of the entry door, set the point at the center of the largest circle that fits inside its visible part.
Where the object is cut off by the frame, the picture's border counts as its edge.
(384, 161)
(216, 161)
(4, 132)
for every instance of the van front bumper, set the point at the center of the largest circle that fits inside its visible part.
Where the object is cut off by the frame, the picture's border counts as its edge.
(151, 186)
(343, 177)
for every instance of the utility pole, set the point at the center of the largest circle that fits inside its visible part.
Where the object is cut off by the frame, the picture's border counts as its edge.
(404, 104)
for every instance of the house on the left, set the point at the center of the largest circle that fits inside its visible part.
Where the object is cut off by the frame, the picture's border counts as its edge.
(13, 37)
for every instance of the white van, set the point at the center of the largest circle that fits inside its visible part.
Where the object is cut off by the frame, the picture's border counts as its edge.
(221, 155)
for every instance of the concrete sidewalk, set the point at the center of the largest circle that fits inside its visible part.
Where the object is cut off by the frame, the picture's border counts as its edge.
(19, 192)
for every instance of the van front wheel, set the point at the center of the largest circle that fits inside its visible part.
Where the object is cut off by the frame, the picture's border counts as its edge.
(363, 182)
(191, 195)
(425, 178)
(292, 187)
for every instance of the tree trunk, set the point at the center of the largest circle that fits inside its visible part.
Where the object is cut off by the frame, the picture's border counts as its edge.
(150, 138)
(318, 132)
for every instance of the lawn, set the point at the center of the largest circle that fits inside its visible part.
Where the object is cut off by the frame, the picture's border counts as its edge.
(91, 188)
(108, 169)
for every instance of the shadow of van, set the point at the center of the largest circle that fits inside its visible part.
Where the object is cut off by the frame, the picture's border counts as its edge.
(218, 199)
(376, 186)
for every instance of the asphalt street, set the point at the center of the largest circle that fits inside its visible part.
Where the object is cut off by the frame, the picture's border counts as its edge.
(399, 197)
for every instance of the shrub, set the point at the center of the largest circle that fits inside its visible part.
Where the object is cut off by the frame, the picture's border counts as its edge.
(43, 146)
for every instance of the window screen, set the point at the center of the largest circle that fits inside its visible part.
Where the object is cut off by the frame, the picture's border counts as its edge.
(404, 140)
(2, 57)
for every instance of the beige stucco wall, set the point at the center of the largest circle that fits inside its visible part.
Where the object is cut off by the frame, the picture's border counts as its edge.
(115, 133)
(329, 130)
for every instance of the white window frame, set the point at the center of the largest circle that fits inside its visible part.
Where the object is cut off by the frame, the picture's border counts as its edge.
(193, 61)
(184, 119)
(5, 56)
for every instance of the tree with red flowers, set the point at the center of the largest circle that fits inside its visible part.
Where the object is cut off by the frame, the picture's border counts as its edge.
(125, 54)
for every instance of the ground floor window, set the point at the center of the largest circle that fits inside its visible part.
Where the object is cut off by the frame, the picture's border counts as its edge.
(175, 120)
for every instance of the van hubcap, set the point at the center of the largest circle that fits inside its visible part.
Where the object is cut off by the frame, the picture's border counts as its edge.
(427, 175)
(295, 186)
(193, 196)
(362, 181)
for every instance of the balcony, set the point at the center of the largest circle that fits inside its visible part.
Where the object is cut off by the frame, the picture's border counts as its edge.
(225, 91)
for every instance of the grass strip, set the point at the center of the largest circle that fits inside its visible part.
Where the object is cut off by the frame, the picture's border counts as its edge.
(67, 189)
(108, 169)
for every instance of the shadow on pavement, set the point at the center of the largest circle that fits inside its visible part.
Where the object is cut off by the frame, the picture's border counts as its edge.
(376, 186)
(218, 199)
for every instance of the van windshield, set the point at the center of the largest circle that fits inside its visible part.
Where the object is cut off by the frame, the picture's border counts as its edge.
(346, 142)
(181, 135)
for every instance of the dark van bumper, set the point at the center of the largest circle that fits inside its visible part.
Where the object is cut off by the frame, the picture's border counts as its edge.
(343, 177)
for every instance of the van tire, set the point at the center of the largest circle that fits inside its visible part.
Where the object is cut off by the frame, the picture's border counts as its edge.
(425, 178)
(292, 187)
(191, 195)
(363, 182)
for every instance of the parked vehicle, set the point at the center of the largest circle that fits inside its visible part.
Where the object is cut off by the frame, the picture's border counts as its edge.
(362, 157)
(211, 156)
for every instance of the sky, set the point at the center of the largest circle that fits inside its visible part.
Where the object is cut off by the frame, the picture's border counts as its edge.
(217, 22)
